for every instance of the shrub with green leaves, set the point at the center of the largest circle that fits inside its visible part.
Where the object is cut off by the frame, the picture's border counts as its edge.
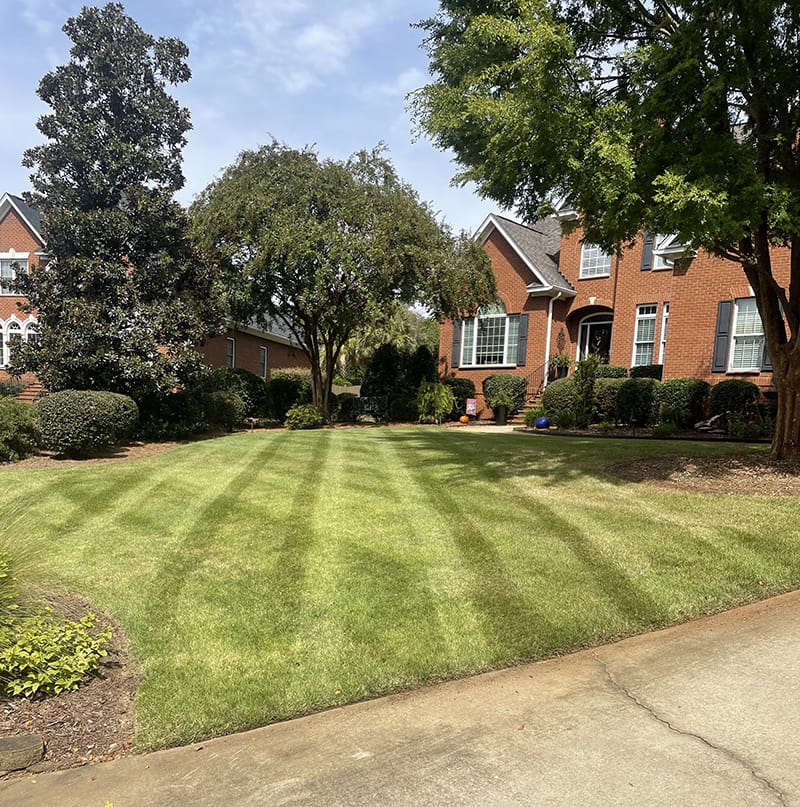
(287, 387)
(348, 408)
(403, 409)
(683, 400)
(584, 379)
(303, 416)
(8, 590)
(637, 401)
(79, 422)
(19, 430)
(605, 399)
(559, 396)
(251, 388)
(655, 371)
(11, 388)
(611, 371)
(735, 396)
(462, 388)
(44, 654)
(222, 410)
(505, 390)
(434, 401)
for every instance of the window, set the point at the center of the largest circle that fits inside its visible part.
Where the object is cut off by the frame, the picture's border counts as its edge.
(230, 352)
(490, 338)
(262, 361)
(747, 349)
(13, 335)
(664, 325)
(645, 334)
(660, 261)
(594, 262)
(9, 266)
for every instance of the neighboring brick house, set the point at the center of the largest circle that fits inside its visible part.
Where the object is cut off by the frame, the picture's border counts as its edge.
(560, 295)
(21, 244)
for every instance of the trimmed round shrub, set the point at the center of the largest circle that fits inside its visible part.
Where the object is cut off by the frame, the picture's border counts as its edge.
(222, 410)
(637, 401)
(251, 388)
(348, 408)
(303, 416)
(462, 388)
(19, 430)
(683, 400)
(505, 389)
(559, 396)
(286, 387)
(611, 371)
(647, 371)
(604, 407)
(734, 396)
(79, 422)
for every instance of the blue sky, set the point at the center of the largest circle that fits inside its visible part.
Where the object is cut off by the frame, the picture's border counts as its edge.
(332, 73)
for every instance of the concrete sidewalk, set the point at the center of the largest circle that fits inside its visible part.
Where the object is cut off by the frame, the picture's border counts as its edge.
(704, 714)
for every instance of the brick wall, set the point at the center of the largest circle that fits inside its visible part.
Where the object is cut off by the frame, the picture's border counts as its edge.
(248, 348)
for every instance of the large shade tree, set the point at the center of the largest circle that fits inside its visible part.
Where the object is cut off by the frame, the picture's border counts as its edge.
(676, 115)
(327, 246)
(122, 300)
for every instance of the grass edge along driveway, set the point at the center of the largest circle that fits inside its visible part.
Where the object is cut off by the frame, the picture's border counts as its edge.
(266, 575)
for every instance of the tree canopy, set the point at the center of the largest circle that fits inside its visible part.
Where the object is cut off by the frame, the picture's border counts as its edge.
(122, 300)
(327, 247)
(683, 117)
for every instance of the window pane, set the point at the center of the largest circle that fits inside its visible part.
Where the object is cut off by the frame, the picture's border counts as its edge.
(513, 340)
(594, 261)
(747, 319)
(645, 334)
(491, 340)
(468, 342)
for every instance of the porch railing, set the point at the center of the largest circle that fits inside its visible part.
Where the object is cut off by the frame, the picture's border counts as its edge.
(535, 380)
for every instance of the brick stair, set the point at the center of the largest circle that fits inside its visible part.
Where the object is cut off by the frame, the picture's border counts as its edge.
(31, 393)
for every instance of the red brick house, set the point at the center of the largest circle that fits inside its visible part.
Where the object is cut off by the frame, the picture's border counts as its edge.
(21, 245)
(561, 296)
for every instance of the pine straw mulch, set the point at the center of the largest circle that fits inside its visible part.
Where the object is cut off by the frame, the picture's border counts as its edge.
(92, 724)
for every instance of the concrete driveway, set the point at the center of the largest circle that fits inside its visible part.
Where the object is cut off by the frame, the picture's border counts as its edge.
(704, 714)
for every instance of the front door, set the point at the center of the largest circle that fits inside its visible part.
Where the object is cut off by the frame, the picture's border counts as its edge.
(596, 337)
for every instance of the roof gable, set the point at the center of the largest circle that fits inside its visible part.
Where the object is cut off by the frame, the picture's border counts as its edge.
(29, 216)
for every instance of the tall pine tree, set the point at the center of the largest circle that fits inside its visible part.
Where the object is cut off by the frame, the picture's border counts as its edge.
(121, 301)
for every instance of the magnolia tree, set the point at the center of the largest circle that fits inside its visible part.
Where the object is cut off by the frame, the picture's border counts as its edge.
(327, 247)
(682, 117)
(123, 300)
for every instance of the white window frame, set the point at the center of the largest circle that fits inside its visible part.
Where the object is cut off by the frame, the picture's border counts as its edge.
(12, 256)
(491, 316)
(644, 316)
(749, 335)
(230, 352)
(662, 350)
(595, 262)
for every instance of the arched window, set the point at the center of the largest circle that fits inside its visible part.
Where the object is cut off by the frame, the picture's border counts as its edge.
(491, 338)
(13, 336)
(31, 333)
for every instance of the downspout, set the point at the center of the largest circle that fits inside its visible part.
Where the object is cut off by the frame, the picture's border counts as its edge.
(547, 340)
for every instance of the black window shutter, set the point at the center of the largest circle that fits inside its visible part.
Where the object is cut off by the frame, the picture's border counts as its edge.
(522, 342)
(456, 352)
(766, 362)
(647, 251)
(719, 363)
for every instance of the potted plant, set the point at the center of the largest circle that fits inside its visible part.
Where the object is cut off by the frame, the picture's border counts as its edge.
(504, 393)
(559, 365)
(501, 404)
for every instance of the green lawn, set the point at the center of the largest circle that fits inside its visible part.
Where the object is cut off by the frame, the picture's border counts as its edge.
(264, 575)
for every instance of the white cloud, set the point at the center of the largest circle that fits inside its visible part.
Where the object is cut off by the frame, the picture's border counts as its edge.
(401, 85)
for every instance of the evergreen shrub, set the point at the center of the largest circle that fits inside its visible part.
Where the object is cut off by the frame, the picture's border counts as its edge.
(611, 371)
(505, 389)
(79, 422)
(637, 401)
(303, 416)
(286, 388)
(462, 388)
(655, 371)
(559, 396)
(734, 396)
(683, 400)
(604, 406)
(19, 430)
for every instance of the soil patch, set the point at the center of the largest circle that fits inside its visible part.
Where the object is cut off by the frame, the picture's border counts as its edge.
(92, 724)
(732, 475)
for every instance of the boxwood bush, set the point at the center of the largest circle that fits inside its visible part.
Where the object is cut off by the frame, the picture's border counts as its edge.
(19, 430)
(605, 399)
(505, 389)
(637, 401)
(79, 422)
(647, 371)
(286, 387)
(611, 371)
(560, 396)
(251, 388)
(222, 410)
(683, 400)
(735, 395)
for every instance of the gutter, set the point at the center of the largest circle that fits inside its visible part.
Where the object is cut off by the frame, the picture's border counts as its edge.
(548, 339)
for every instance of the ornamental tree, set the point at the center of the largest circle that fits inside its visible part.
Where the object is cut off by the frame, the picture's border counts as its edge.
(327, 247)
(682, 117)
(121, 301)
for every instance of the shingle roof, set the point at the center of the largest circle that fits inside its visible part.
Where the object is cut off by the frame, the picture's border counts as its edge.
(540, 244)
(32, 216)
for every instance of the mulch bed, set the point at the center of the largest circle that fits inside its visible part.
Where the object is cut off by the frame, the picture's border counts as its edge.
(92, 724)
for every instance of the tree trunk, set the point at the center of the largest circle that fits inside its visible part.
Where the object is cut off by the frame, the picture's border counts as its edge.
(786, 442)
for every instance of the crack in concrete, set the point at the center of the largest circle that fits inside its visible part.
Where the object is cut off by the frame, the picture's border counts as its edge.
(760, 778)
